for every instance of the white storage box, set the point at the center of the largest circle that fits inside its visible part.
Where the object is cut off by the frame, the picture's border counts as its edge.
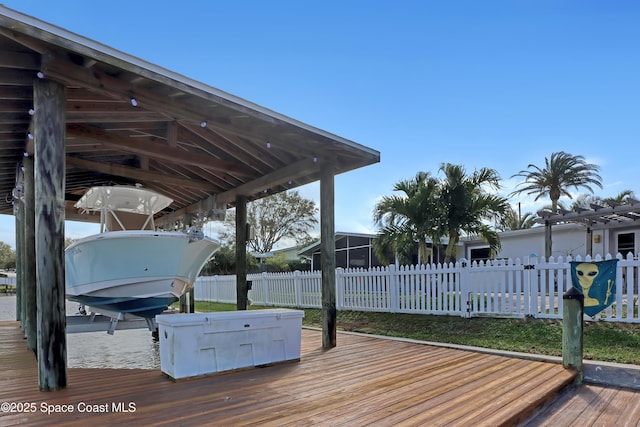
(203, 343)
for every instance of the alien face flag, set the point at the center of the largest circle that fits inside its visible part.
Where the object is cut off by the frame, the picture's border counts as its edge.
(597, 282)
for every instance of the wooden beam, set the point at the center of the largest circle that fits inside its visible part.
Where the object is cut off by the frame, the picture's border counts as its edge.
(72, 214)
(154, 150)
(49, 101)
(243, 148)
(74, 75)
(328, 257)
(278, 177)
(19, 60)
(25, 40)
(172, 133)
(119, 118)
(135, 173)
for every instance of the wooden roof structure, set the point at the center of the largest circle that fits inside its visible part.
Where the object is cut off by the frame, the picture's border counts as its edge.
(132, 122)
(613, 214)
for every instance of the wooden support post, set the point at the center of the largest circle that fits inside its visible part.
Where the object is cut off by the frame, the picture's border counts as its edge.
(192, 300)
(241, 253)
(572, 321)
(49, 172)
(328, 257)
(29, 244)
(547, 240)
(186, 299)
(18, 212)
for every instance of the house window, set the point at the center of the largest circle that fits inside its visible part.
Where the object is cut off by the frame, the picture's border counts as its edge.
(479, 254)
(359, 257)
(626, 243)
(341, 242)
(359, 241)
(341, 259)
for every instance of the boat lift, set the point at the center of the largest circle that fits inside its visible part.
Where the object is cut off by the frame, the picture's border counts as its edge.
(109, 322)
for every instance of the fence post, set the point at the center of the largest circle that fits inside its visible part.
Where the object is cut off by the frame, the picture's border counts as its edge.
(532, 286)
(297, 286)
(572, 320)
(393, 289)
(214, 289)
(264, 281)
(339, 288)
(465, 308)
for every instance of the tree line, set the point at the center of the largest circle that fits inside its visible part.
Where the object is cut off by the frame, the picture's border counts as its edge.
(432, 212)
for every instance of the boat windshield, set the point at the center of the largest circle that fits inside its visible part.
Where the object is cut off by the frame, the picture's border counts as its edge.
(109, 200)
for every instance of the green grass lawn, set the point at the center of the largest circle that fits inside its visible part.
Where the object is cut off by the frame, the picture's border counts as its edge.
(603, 341)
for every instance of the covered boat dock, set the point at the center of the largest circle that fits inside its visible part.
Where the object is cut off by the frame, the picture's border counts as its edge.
(76, 114)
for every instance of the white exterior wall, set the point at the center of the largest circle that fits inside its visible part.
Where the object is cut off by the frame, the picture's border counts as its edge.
(611, 238)
(567, 239)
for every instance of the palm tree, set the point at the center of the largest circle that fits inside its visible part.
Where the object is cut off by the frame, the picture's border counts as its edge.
(467, 205)
(409, 219)
(621, 199)
(585, 201)
(514, 221)
(561, 171)
(430, 209)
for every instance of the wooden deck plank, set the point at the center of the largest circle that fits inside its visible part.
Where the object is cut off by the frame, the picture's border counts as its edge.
(518, 404)
(467, 397)
(384, 388)
(591, 405)
(355, 381)
(365, 380)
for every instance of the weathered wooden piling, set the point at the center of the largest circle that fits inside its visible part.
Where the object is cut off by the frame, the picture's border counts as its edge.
(328, 256)
(241, 253)
(49, 172)
(29, 253)
(18, 212)
(572, 331)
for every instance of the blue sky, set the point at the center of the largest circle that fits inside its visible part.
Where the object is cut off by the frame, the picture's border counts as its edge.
(497, 84)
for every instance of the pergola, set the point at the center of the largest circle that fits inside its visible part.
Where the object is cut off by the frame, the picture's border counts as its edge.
(76, 113)
(618, 214)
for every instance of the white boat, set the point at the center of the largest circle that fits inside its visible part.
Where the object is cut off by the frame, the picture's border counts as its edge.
(129, 267)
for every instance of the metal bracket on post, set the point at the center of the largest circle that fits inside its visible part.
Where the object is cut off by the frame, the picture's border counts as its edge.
(113, 324)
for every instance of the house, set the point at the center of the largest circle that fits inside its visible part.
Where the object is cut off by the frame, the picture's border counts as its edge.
(599, 230)
(355, 250)
(289, 254)
(570, 235)
(567, 239)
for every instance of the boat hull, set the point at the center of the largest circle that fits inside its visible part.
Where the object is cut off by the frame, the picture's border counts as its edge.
(136, 272)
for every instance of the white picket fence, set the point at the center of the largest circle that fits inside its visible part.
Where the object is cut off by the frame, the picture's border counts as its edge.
(504, 288)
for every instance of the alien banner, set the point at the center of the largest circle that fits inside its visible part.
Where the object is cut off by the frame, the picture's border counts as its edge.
(597, 282)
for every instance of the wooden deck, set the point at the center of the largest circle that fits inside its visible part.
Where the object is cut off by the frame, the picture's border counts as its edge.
(365, 380)
(591, 405)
